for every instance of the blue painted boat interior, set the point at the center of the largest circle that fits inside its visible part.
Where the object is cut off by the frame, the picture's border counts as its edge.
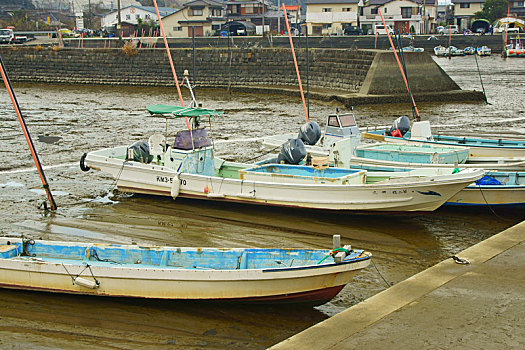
(176, 258)
(298, 170)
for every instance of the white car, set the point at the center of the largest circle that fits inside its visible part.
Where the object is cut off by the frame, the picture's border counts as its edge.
(380, 29)
(451, 29)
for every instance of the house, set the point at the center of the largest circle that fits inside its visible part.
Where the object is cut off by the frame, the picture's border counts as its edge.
(464, 11)
(131, 15)
(329, 17)
(205, 16)
(404, 16)
(517, 8)
(257, 12)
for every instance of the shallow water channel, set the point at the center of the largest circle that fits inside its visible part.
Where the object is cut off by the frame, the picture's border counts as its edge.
(66, 121)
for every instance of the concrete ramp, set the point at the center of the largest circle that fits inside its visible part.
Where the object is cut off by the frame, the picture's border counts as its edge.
(424, 75)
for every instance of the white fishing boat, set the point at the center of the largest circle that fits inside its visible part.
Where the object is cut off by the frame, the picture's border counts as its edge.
(186, 167)
(211, 274)
(342, 137)
(482, 149)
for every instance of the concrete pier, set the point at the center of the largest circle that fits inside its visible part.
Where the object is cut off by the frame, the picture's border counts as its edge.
(480, 305)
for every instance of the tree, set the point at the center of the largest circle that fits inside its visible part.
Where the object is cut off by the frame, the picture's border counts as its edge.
(493, 9)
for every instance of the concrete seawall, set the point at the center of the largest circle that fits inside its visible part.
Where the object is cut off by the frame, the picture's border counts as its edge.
(351, 76)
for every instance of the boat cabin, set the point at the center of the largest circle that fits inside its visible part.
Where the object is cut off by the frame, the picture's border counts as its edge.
(339, 126)
(192, 149)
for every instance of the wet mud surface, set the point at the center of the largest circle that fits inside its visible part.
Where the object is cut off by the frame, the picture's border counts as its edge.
(66, 121)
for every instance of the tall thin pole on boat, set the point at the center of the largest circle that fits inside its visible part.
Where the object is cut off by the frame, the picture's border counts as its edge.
(481, 80)
(194, 78)
(171, 61)
(32, 148)
(403, 62)
(307, 73)
(400, 68)
(229, 64)
(295, 62)
(504, 52)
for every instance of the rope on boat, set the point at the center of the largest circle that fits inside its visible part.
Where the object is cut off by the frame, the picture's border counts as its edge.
(78, 280)
(489, 206)
(333, 252)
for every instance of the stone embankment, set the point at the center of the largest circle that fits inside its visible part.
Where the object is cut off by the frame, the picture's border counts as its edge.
(372, 76)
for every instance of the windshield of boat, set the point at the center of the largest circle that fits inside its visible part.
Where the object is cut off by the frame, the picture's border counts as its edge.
(347, 120)
(5, 32)
(332, 121)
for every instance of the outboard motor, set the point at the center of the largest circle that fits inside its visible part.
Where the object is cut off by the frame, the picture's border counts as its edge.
(310, 133)
(139, 152)
(292, 152)
(400, 127)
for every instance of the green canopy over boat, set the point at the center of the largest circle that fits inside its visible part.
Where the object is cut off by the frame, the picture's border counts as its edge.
(181, 112)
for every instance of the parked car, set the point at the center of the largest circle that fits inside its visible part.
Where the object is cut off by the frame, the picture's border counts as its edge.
(6, 36)
(352, 30)
(450, 29)
(380, 29)
(439, 29)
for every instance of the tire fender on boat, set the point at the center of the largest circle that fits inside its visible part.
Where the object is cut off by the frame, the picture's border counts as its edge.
(175, 187)
(83, 165)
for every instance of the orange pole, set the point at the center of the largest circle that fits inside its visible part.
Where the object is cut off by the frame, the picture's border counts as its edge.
(171, 61)
(399, 63)
(295, 62)
(27, 136)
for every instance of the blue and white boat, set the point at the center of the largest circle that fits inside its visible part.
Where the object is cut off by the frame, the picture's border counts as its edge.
(212, 274)
(420, 133)
(483, 51)
(496, 188)
(469, 50)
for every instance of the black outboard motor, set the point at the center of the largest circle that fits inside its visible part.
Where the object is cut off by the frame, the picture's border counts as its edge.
(310, 133)
(400, 127)
(292, 152)
(139, 152)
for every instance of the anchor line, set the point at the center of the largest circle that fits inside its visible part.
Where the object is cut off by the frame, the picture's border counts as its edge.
(489, 206)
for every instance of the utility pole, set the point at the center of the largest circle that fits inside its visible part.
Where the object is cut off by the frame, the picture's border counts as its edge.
(119, 27)
(262, 1)
(425, 16)
(279, 18)
(89, 14)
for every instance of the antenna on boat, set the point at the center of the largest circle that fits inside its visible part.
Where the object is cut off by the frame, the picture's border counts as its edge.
(404, 65)
(32, 148)
(171, 60)
(295, 61)
(403, 73)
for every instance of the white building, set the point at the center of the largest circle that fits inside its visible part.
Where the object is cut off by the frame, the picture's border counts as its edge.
(329, 17)
(131, 14)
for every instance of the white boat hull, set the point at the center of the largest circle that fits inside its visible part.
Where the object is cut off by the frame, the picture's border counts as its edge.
(490, 195)
(418, 194)
(311, 283)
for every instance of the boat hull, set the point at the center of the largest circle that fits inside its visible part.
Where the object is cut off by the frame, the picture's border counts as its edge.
(477, 147)
(413, 195)
(310, 283)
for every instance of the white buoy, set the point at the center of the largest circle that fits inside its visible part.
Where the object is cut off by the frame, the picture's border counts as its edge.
(86, 283)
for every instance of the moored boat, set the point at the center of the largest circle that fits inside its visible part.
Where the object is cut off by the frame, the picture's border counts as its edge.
(496, 188)
(515, 48)
(483, 51)
(231, 274)
(188, 168)
(420, 133)
(469, 50)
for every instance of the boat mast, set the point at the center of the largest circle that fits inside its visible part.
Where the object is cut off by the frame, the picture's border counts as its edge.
(32, 148)
(171, 60)
(295, 61)
(414, 107)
